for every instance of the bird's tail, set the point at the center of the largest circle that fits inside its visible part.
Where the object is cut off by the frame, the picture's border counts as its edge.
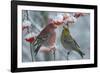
(81, 53)
(37, 49)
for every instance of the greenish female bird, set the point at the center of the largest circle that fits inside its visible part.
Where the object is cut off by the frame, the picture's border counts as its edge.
(69, 43)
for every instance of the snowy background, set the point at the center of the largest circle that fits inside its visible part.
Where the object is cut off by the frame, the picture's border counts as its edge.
(80, 31)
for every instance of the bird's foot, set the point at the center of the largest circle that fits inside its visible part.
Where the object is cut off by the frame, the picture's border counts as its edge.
(52, 49)
(68, 53)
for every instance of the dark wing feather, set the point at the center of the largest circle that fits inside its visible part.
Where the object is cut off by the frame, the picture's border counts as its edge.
(39, 42)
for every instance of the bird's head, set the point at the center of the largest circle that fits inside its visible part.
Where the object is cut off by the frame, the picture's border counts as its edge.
(65, 30)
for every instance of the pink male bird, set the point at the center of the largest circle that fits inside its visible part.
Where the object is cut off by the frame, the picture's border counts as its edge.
(47, 36)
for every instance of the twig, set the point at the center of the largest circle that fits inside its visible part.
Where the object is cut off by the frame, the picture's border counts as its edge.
(54, 55)
(31, 52)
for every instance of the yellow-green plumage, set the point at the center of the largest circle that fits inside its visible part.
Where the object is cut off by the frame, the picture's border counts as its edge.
(69, 43)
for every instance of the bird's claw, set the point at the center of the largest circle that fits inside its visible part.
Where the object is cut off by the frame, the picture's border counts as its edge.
(52, 49)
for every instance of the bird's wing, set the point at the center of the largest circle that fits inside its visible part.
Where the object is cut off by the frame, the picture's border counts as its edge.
(69, 39)
(77, 48)
(73, 44)
(76, 43)
(36, 46)
(39, 42)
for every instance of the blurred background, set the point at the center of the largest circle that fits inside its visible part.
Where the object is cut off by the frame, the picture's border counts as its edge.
(80, 31)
